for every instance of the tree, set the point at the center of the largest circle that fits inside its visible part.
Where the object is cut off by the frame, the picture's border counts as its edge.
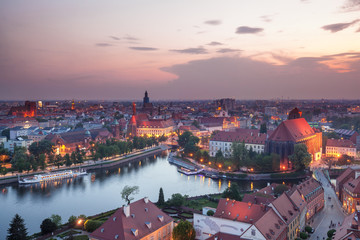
(161, 199)
(184, 138)
(232, 192)
(184, 231)
(20, 161)
(263, 128)
(51, 158)
(79, 125)
(176, 200)
(127, 191)
(17, 229)
(79, 158)
(73, 158)
(210, 213)
(56, 219)
(198, 155)
(68, 161)
(240, 154)
(206, 156)
(300, 158)
(345, 160)
(219, 155)
(72, 220)
(92, 225)
(58, 161)
(42, 161)
(47, 226)
(41, 147)
(279, 189)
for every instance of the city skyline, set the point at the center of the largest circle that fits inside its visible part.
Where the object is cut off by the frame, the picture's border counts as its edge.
(182, 51)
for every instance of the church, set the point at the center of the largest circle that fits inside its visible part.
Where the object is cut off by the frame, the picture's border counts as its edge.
(141, 125)
(293, 131)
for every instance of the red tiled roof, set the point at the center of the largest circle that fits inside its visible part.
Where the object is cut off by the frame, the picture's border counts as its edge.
(292, 130)
(141, 214)
(258, 198)
(349, 172)
(353, 185)
(241, 135)
(287, 210)
(340, 143)
(269, 189)
(308, 186)
(156, 123)
(239, 211)
(270, 225)
(297, 199)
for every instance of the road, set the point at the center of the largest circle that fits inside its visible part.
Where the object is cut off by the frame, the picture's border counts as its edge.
(329, 214)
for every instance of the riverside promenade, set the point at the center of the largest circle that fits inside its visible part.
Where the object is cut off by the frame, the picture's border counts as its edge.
(91, 164)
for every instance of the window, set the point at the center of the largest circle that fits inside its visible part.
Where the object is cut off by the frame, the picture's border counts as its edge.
(253, 232)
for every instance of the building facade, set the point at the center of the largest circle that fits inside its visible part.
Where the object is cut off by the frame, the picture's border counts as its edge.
(337, 147)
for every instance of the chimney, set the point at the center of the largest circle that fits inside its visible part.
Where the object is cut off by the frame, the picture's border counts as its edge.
(252, 134)
(146, 199)
(126, 210)
(357, 174)
(258, 134)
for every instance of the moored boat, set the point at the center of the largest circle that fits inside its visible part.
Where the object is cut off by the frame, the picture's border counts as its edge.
(51, 176)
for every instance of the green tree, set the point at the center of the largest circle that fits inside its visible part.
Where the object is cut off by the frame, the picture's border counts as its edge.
(72, 220)
(161, 199)
(210, 213)
(47, 226)
(42, 161)
(68, 161)
(218, 156)
(263, 128)
(184, 231)
(206, 156)
(184, 138)
(279, 189)
(198, 155)
(51, 158)
(92, 225)
(240, 154)
(176, 200)
(3, 170)
(232, 192)
(56, 219)
(41, 147)
(73, 158)
(127, 191)
(33, 162)
(17, 229)
(58, 161)
(300, 158)
(19, 161)
(79, 158)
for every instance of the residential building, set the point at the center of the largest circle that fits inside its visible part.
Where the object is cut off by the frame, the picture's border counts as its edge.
(347, 134)
(138, 220)
(348, 174)
(349, 229)
(313, 193)
(350, 190)
(223, 141)
(12, 143)
(338, 147)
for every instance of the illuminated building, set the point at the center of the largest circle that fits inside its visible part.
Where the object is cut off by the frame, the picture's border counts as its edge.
(223, 141)
(141, 125)
(338, 147)
(348, 190)
(28, 110)
(313, 193)
(293, 131)
(138, 220)
(73, 105)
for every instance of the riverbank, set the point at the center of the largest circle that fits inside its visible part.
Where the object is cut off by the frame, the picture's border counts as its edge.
(237, 176)
(92, 165)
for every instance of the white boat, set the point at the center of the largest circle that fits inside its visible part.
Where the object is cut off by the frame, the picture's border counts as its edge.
(51, 176)
(189, 172)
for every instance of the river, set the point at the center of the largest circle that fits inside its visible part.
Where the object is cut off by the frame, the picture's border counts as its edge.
(99, 191)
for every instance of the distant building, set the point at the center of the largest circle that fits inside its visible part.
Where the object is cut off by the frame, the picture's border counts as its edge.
(223, 141)
(226, 103)
(293, 131)
(347, 134)
(338, 147)
(139, 220)
(28, 110)
(147, 105)
(141, 125)
(11, 144)
(270, 111)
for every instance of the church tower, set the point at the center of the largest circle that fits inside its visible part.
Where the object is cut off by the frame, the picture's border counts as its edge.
(146, 99)
(132, 125)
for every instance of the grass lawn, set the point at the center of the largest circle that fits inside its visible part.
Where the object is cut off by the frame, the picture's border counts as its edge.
(200, 203)
(68, 233)
(81, 237)
(186, 215)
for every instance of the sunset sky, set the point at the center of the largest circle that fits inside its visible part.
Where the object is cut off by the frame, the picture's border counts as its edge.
(188, 49)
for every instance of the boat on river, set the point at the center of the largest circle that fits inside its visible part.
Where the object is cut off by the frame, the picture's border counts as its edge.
(38, 178)
(189, 172)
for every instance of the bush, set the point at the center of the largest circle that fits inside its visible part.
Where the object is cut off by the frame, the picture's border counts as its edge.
(210, 213)
(176, 200)
(303, 235)
(92, 225)
(47, 226)
(308, 229)
(331, 232)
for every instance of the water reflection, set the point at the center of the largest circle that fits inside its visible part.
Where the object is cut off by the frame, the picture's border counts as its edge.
(99, 191)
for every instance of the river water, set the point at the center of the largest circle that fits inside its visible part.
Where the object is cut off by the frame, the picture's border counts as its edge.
(99, 191)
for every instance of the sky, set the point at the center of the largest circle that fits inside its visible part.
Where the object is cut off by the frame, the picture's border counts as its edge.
(179, 50)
